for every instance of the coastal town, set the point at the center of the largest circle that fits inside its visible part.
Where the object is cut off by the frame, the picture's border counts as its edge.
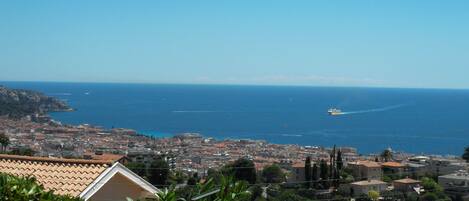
(192, 153)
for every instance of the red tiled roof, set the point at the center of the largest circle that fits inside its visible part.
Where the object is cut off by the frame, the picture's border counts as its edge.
(63, 176)
(392, 164)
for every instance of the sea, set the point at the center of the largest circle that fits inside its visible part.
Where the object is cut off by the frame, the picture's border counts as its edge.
(419, 121)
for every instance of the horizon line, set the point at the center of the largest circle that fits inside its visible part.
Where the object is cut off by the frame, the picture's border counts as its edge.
(235, 84)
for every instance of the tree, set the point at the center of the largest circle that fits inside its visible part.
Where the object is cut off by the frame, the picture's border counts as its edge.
(137, 168)
(323, 168)
(386, 155)
(433, 190)
(193, 180)
(228, 189)
(273, 174)
(339, 162)
(177, 177)
(167, 195)
(332, 163)
(159, 172)
(373, 195)
(290, 195)
(242, 169)
(315, 175)
(465, 156)
(431, 185)
(231, 190)
(429, 197)
(22, 151)
(214, 174)
(4, 142)
(308, 172)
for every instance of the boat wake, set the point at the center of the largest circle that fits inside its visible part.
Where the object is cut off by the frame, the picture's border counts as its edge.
(291, 135)
(196, 111)
(392, 107)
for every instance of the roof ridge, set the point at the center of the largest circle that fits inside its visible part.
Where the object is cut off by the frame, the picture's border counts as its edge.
(55, 160)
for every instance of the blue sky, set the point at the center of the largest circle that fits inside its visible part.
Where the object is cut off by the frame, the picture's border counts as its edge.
(327, 43)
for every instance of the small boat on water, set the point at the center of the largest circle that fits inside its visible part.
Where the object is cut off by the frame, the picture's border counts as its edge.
(334, 111)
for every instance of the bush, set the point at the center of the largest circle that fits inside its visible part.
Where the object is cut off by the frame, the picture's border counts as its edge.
(26, 189)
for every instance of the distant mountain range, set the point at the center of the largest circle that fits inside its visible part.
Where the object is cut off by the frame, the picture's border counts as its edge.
(17, 103)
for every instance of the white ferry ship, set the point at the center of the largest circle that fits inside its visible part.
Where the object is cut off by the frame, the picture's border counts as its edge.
(334, 111)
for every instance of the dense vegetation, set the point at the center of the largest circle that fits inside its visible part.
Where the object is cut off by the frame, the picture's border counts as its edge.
(26, 189)
(18, 103)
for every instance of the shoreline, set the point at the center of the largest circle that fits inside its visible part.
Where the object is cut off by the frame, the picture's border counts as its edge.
(163, 135)
(324, 136)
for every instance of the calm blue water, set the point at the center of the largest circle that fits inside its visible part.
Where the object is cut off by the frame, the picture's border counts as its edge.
(412, 120)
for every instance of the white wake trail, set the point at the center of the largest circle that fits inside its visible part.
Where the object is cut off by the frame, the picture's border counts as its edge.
(376, 109)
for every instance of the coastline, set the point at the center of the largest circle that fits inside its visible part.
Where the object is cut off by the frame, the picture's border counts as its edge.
(292, 116)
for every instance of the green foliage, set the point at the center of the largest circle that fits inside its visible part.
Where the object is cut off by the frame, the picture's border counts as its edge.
(346, 176)
(290, 195)
(167, 194)
(22, 151)
(387, 178)
(26, 189)
(373, 195)
(231, 190)
(308, 173)
(393, 195)
(386, 155)
(433, 190)
(324, 173)
(159, 172)
(4, 142)
(315, 173)
(242, 169)
(215, 175)
(429, 197)
(431, 185)
(273, 174)
(227, 190)
(339, 161)
(19, 103)
(193, 180)
(177, 177)
(465, 155)
(137, 168)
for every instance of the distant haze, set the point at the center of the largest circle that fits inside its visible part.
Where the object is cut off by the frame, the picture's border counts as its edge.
(325, 43)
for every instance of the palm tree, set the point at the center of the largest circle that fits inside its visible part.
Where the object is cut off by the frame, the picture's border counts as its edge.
(227, 190)
(386, 155)
(168, 194)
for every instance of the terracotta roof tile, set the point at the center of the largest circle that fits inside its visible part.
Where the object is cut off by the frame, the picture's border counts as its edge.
(393, 164)
(63, 176)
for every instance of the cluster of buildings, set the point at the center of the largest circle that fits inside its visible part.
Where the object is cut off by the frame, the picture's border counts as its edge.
(192, 153)
(371, 175)
(188, 152)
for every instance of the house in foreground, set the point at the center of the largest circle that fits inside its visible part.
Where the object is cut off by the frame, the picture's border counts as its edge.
(456, 184)
(363, 187)
(407, 185)
(366, 170)
(91, 180)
